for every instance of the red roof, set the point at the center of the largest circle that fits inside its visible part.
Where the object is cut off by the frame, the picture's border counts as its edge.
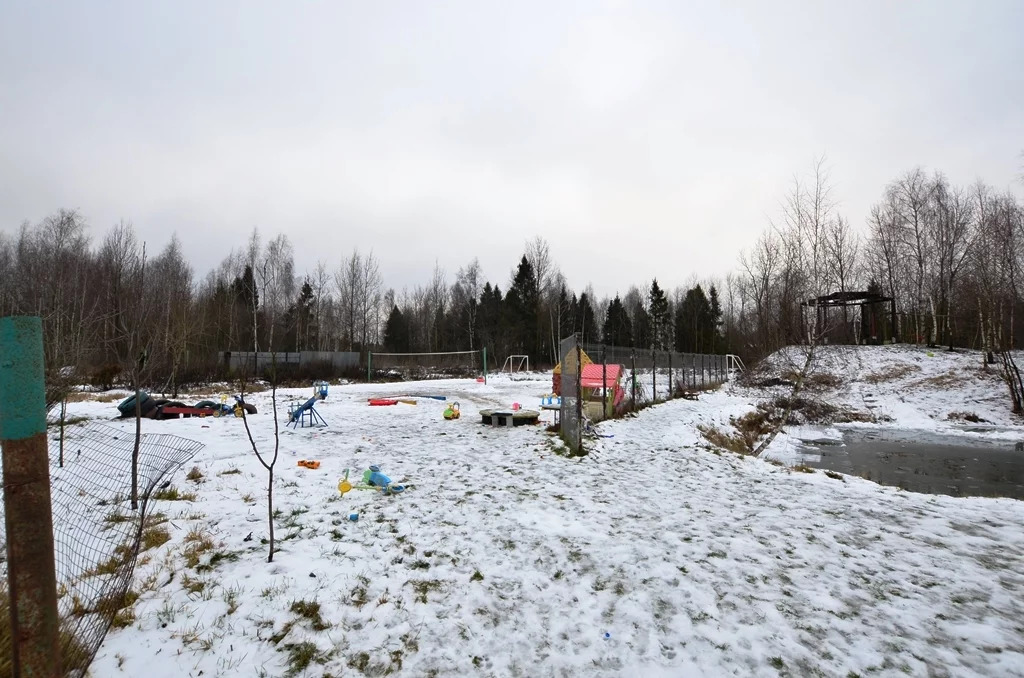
(592, 374)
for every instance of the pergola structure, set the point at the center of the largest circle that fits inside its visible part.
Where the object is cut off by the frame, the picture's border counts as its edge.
(864, 300)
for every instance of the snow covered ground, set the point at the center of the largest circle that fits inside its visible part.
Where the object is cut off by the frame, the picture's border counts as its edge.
(652, 556)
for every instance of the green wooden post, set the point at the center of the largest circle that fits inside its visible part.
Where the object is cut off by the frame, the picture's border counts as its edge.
(485, 364)
(369, 365)
(32, 578)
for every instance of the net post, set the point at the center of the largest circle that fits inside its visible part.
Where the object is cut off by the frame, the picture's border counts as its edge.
(32, 578)
(485, 364)
(369, 365)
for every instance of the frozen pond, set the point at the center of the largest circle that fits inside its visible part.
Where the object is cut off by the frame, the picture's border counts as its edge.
(923, 462)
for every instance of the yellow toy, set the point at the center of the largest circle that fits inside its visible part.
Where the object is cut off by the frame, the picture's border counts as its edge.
(344, 485)
(452, 411)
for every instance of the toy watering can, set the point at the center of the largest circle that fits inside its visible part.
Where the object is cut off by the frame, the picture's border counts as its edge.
(344, 485)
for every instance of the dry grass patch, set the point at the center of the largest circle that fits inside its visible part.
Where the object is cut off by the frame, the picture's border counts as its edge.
(155, 536)
(891, 373)
(197, 542)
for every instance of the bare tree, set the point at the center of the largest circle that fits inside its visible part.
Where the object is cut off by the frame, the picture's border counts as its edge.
(252, 259)
(806, 215)
(465, 296)
(370, 287)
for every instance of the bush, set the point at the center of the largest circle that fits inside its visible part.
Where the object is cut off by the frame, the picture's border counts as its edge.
(104, 378)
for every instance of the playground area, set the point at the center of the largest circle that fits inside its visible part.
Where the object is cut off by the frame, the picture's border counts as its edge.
(500, 557)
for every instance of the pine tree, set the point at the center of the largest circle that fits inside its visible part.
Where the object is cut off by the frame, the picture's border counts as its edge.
(585, 322)
(522, 302)
(618, 330)
(661, 331)
(396, 332)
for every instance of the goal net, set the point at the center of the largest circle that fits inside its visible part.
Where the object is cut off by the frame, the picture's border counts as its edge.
(516, 363)
(446, 365)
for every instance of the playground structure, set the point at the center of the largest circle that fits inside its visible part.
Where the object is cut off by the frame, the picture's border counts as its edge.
(305, 414)
(599, 383)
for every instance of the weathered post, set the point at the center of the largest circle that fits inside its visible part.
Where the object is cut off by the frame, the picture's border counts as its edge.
(31, 574)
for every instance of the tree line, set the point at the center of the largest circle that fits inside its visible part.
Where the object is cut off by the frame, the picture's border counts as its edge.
(951, 257)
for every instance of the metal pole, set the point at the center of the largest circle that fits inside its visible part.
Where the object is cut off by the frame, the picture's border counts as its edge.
(671, 387)
(654, 375)
(632, 358)
(369, 365)
(579, 396)
(485, 365)
(702, 370)
(31, 577)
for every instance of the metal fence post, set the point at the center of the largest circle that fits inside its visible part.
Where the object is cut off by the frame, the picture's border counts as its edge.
(632, 358)
(31, 578)
(654, 375)
(671, 386)
(702, 369)
(579, 395)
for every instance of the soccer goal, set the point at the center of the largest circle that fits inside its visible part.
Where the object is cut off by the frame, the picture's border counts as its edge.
(515, 363)
(441, 365)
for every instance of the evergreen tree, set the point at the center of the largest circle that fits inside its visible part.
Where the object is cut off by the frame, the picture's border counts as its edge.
(641, 328)
(660, 330)
(586, 324)
(618, 330)
(522, 302)
(716, 342)
(697, 323)
(396, 332)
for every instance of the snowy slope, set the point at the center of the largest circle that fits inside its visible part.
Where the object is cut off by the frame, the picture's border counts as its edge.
(901, 388)
(504, 558)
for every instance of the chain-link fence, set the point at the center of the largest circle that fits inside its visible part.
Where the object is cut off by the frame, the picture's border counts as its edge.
(570, 359)
(651, 375)
(96, 534)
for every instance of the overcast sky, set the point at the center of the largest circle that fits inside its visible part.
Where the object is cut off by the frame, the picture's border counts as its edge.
(640, 139)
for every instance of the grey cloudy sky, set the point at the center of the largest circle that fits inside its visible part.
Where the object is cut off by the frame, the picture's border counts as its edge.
(639, 138)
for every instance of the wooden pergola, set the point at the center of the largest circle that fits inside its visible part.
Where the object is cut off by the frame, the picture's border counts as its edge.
(863, 300)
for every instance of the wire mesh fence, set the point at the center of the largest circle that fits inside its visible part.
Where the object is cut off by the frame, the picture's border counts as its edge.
(96, 534)
(652, 375)
(570, 364)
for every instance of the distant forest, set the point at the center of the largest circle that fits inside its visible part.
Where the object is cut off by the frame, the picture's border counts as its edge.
(951, 257)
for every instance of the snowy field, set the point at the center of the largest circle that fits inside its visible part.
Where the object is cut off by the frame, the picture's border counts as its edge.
(653, 556)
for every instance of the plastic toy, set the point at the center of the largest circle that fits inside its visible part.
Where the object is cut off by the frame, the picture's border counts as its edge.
(308, 463)
(379, 402)
(354, 517)
(373, 477)
(344, 485)
(451, 412)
